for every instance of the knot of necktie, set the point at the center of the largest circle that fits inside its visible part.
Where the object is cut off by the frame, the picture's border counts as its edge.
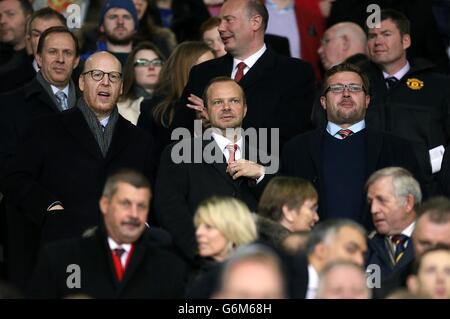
(119, 252)
(344, 133)
(62, 99)
(391, 81)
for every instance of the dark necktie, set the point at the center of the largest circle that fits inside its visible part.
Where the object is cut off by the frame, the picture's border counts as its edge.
(391, 82)
(240, 71)
(344, 133)
(400, 246)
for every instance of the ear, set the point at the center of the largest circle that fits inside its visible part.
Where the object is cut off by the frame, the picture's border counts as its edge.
(413, 284)
(256, 22)
(245, 110)
(121, 88)
(345, 43)
(409, 203)
(367, 100)
(321, 251)
(102, 29)
(323, 102)
(104, 204)
(39, 59)
(288, 214)
(406, 41)
(81, 82)
(77, 61)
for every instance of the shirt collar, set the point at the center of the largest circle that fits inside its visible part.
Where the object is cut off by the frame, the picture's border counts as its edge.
(222, 141)
(113, 245)
(36, 66)
(272, 5)
(65, 90)
(409, 230)
(251, 60)
(313, 282)
(332, 128)
(105, 121)
(400, 73)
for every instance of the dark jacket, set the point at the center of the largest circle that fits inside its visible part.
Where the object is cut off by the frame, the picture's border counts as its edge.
(279, 93)
(152, 272)
(303, 157)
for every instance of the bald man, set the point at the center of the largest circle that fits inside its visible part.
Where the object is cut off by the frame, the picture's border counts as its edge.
(340, 42)
(57, 175)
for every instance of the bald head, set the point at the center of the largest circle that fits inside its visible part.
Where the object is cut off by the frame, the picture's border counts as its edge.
(340, 42)
(101, 83)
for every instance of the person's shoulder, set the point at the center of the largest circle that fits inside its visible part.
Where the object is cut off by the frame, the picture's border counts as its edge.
(301, 139)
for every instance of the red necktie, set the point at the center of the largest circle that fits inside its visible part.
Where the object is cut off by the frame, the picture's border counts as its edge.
(117, 254)
(344, 133)
(231, 152)
(240, 71)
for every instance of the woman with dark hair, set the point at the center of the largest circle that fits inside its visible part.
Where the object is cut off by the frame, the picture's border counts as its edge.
(157, 113)
(140, 76)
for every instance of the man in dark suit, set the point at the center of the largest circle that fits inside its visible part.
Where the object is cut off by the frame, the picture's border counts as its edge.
(279, 90)
(56, 176)
(344, 151)
(393, 195)
(217, 164)
(117, 260)
(57, 55)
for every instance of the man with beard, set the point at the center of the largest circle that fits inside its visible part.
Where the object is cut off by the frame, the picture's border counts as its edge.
(118, 21)
(339, 157)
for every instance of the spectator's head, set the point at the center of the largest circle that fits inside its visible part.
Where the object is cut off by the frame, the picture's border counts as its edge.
(101, 83)
(290, 201)
(432, 225)
(343, 280)
(340, 42)
(140, 6)
(57, 55)
(336, 239)
(40, 21)
(225, 104)
(124, 204)
(431, 274)
(242, 27)
(345, 95)
(393, 195)
(118, 21)
(13, 20)
(142, 69)
(175, 74)
(211, 36)
(388, 43)
(223, 224)
(252, 272)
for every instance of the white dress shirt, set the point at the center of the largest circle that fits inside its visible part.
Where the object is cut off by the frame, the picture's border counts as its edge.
(127, 247)
(249, 62)
(313, 283)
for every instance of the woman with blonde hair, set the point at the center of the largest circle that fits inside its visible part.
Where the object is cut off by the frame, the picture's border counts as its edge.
(222, 224)
(157, 113)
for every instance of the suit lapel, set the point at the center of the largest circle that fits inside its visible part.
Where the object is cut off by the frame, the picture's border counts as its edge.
(258, 70)
(373, 149)
(73, 120)
(378, 244)
(135, 261)
(220, 167)
(36, 91)
(122, 135)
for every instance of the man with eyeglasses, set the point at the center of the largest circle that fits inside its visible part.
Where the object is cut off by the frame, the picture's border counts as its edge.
(56, 177)
(338, 158)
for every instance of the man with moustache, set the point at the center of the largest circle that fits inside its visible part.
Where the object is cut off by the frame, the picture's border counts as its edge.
(55, 178)
(344, 152)
(117, 259)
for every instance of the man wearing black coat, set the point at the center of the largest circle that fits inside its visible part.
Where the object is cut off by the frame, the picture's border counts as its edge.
(119, 259)
(56, 177)
(279, 90)
(193, 170)
(338, 158)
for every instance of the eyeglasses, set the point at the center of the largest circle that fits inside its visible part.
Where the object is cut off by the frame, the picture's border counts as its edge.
(97, 75)
(339, 88)
(145, 62)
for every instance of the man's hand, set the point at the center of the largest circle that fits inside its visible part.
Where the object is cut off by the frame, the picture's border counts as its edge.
(56, 207)
(245, 168)
(200, 110)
